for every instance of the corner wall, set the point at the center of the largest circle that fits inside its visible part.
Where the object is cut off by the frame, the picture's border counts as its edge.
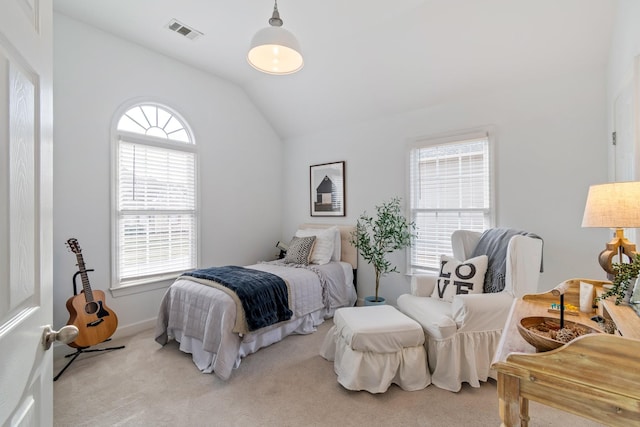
(239, 173)
(550, 146)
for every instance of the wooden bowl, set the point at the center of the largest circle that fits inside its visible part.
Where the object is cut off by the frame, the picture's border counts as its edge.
(546, 343)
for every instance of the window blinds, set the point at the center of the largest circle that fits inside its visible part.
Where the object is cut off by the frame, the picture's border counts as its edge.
(156, 202)
(449, 190)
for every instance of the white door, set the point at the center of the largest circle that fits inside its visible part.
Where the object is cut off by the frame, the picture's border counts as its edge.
(626, 124)
(26, 385)
(623, 123)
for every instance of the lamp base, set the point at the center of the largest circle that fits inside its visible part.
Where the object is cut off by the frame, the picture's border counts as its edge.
(619, 245)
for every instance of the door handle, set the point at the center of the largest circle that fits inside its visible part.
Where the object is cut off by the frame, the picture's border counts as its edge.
(65, 335)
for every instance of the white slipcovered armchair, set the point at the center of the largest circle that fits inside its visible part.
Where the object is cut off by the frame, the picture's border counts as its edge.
(461, 337)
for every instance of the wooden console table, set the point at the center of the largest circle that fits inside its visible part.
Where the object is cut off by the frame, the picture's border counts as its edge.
(596, 376)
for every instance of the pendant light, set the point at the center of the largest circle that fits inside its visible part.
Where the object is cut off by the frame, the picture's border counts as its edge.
(275, 50)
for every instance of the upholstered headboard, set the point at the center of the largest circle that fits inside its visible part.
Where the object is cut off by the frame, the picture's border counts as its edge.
(349, 253)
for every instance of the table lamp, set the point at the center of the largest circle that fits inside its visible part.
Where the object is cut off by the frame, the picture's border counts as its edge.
(614, 205)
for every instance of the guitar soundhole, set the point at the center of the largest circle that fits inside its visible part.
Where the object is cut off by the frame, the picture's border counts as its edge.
(91, 307)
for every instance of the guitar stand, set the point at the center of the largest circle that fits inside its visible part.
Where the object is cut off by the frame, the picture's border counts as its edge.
(81, 350)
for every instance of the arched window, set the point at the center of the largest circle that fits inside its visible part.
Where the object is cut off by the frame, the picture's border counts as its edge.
(155, 224)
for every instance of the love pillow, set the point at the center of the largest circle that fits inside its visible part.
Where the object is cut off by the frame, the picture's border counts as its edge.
(460, 277)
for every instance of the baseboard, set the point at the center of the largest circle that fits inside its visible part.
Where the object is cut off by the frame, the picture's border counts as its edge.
(61, 350)
(128, 330)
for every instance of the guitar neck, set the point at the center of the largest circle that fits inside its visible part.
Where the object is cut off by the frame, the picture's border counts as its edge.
(88, 294)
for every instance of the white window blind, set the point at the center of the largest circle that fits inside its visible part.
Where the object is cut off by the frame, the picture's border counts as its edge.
(450, 189)
(156, 198)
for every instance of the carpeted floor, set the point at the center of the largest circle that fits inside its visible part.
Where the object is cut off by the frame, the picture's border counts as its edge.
(286, 384)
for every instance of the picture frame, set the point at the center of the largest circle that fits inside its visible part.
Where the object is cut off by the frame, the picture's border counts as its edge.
(327, 189)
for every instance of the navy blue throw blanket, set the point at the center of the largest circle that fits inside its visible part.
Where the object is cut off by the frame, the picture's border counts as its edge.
(264, 296)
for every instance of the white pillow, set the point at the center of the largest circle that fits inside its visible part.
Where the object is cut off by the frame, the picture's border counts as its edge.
(337, 244)
(323, 248)
(460, 277)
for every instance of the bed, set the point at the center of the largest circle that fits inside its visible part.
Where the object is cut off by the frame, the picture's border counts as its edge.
(207, 321)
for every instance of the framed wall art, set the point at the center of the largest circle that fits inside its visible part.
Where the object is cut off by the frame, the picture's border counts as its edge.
(327, 189)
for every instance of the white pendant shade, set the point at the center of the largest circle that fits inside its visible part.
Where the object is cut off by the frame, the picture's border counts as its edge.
(275, 50)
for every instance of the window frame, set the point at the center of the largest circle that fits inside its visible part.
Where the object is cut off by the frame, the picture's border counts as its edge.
(487, 132)
(161, 280)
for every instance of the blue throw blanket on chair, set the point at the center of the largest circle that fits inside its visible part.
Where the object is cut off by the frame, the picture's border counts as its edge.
(494, 243)
(264, 296)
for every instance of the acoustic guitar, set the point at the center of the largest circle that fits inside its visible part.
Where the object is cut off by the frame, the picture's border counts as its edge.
(87, 311)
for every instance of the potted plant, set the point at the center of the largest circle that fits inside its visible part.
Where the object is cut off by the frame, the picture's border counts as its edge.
(623, 275)
(376, 236)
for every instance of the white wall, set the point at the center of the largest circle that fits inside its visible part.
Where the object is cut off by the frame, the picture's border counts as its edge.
(240, 160)
(551, 145)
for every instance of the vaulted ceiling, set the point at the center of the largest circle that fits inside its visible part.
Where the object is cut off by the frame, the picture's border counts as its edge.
(366, 59)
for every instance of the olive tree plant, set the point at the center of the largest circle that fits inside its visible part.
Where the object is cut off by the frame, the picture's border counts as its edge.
(379, 235)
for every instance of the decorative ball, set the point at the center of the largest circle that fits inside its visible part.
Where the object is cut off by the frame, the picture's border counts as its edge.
(609, 327)
(565, 335)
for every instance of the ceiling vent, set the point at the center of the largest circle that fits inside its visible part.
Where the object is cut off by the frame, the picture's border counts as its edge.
(182, 29)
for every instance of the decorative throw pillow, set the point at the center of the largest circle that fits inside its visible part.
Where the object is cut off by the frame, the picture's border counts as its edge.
(460, 277)
(299, 250)
(323, 246)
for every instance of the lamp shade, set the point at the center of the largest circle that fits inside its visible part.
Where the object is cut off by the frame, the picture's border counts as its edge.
(613, 205)
(275, 50)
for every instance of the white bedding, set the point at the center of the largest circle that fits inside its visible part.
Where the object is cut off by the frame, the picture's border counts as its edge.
(201, 318)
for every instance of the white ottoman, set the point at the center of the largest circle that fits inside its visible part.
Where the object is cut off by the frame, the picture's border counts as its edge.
(375, 346)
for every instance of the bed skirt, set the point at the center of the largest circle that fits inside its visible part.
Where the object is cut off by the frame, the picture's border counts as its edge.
(222, 365)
